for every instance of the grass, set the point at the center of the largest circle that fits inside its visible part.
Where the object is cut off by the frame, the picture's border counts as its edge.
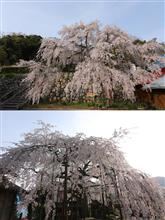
(60, 106)
(124, 105)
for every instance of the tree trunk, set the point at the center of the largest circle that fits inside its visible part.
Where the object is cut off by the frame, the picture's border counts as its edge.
(122, 215)
(65, 185)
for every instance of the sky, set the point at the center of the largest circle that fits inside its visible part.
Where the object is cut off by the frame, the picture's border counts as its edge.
(143, 148)
(142, 18)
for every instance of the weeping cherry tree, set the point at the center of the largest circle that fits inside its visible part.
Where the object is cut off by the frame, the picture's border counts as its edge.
(62, 174)
(89, 59)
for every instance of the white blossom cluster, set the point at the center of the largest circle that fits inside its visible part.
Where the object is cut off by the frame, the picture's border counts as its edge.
(81, 167)
(105, 62)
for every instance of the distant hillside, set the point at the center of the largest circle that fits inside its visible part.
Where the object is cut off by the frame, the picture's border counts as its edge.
(160, 180)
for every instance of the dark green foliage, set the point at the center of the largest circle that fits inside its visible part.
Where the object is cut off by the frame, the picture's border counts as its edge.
(139, 42)
(69, 68)
(17, 46)
(14, 69)
(3, 55)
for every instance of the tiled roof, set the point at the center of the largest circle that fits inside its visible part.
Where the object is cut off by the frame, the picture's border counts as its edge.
(158, 83)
